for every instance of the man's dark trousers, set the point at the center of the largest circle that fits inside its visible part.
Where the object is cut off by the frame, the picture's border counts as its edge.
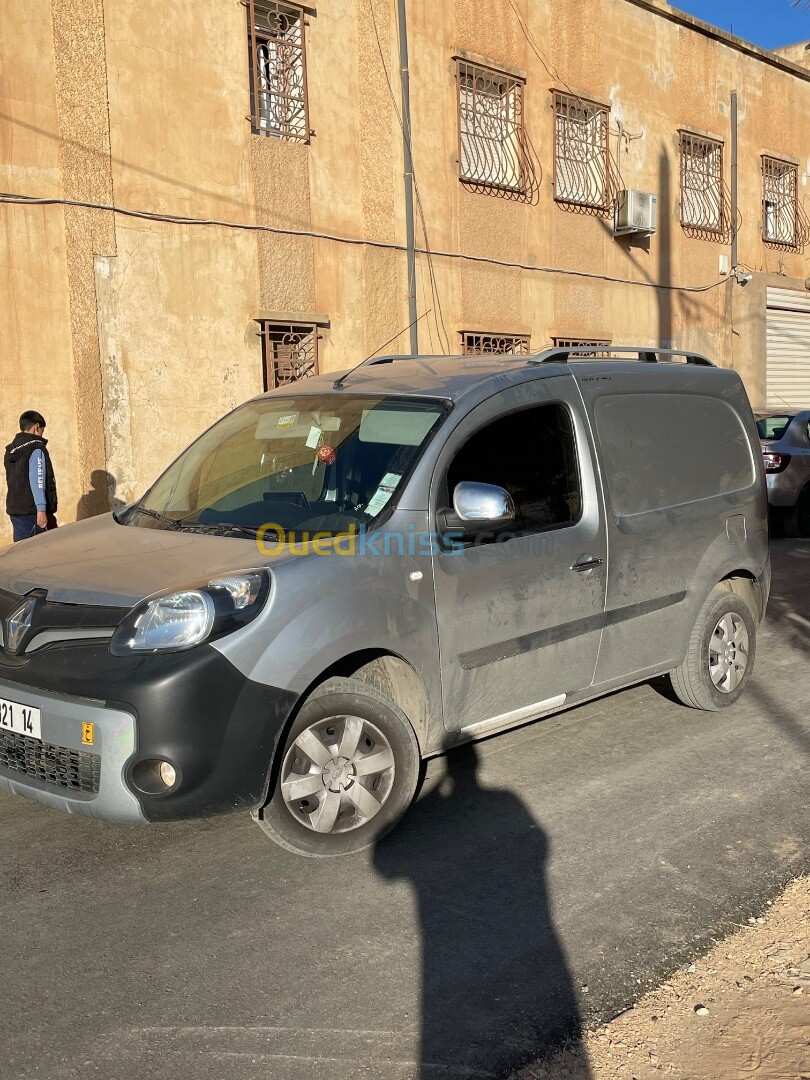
(24, 525)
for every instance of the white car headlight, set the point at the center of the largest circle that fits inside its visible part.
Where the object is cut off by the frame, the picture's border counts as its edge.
(177, 621)
(180, 620)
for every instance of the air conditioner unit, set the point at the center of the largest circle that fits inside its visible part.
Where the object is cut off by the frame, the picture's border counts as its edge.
(636, 212)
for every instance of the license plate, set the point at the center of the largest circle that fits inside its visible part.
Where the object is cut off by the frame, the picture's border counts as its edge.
(21, 719)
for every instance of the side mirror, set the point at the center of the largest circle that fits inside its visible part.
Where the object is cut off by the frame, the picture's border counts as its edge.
(477, 509)
(485, 503)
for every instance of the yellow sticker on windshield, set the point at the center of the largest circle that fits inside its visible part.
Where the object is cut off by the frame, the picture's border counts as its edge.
(288, 420)
(88, 734)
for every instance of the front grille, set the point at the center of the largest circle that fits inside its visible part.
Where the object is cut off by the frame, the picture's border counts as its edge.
(72, 769)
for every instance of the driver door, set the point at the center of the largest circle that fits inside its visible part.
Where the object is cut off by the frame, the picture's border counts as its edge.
(520, 611)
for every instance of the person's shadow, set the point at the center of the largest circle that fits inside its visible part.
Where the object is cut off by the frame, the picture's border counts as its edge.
(101, 497)
(496, 990)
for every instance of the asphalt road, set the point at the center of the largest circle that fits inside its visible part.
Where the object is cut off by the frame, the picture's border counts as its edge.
(543, 880)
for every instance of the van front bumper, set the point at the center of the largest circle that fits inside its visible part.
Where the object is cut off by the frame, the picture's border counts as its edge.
(104, 719)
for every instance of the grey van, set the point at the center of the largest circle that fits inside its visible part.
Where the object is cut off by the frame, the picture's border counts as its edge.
(351, 574)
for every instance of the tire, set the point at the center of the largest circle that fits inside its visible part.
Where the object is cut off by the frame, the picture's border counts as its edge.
(796, 520)
(721, 653)
(349, 748)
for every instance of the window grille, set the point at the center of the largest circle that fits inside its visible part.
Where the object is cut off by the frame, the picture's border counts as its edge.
(494, 150)
(475, 344)
(290, 352)
(783, 225)
(278, 76)
(581, 155)
(578, 343)
(704, 202)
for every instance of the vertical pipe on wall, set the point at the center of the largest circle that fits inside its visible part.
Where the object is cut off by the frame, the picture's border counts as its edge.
(406, 148)
(733, 178)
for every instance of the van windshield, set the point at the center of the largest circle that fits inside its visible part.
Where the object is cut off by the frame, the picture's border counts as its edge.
(322, 464)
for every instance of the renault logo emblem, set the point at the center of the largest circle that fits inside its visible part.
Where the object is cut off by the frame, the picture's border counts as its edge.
(18, 624)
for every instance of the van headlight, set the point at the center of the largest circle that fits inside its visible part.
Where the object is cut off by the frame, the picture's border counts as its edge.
(178, 620)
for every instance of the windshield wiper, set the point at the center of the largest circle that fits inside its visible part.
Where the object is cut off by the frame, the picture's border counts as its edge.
(219, 528)
(171, 522)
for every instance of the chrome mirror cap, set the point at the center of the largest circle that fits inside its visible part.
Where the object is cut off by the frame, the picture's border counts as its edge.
(483, 502)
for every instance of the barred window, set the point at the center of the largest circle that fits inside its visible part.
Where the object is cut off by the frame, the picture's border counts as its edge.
(581, 171)
(578, 343)
(491, 135)
(289, 352)
(780, 201)
(278, 80)
(475, 344)
(702, 193)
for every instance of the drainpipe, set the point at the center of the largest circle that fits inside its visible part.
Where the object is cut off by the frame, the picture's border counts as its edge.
(733, 179)
(406, 149)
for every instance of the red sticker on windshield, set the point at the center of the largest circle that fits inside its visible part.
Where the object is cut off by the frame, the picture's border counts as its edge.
(327, 455)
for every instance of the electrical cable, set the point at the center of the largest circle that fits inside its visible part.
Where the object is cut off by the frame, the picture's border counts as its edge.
(579, 273)
(175, 219)
(555, 76)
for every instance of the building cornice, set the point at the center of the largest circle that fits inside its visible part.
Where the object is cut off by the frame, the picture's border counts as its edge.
(671, 14)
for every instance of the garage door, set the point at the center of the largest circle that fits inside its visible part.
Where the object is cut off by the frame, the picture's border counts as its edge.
(787, 372)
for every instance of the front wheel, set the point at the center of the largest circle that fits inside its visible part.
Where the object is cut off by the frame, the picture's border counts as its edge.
(348, 772)
(721, 653)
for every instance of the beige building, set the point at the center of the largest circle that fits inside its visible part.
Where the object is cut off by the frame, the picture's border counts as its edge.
(253, 155)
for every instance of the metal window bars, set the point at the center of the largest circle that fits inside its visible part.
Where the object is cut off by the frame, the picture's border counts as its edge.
(290, 352)
(705, 201)
(478, 344)
(278, 73)
(581, 343)
(585, 176)
(495, 154)
(784, 223)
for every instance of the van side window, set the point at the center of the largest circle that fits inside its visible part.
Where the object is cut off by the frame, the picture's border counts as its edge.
(664, 450)
(532, 454)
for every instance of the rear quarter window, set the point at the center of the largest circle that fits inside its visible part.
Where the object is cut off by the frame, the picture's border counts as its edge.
(662, 450)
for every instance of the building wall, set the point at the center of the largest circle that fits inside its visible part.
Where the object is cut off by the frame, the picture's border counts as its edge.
(133, 334)
(36, 344)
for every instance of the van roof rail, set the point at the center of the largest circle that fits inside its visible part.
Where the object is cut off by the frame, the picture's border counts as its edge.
(644, 354)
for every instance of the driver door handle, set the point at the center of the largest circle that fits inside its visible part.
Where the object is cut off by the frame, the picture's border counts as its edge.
(586, 562)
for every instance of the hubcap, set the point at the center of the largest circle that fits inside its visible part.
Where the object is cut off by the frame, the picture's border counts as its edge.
(728, 653)
(338, 774)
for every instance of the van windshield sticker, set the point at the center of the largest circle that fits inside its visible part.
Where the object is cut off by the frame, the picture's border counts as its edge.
(287, 420)
(383, 493)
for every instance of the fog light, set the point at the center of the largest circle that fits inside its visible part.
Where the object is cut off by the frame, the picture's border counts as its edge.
(167, 774)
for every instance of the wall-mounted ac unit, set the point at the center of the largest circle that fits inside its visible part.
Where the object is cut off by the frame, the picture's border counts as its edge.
(636, 212)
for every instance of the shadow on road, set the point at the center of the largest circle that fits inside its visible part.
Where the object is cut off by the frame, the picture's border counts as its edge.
(496, 990)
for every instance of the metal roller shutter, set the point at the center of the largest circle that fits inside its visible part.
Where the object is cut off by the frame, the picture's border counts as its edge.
(787, 371)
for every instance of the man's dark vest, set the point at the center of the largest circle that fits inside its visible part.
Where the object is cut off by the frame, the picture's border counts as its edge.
(20, 498)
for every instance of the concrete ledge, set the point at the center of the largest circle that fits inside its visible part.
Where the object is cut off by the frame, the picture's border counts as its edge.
(656, 7)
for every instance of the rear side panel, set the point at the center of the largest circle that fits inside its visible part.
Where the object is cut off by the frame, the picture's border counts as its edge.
(685, 498)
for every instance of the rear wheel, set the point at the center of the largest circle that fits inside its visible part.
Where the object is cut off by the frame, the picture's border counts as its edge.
(796, 520)
(721, 653)
(348, 772)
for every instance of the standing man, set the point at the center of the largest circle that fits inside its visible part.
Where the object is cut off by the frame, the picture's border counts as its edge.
(31, 499)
